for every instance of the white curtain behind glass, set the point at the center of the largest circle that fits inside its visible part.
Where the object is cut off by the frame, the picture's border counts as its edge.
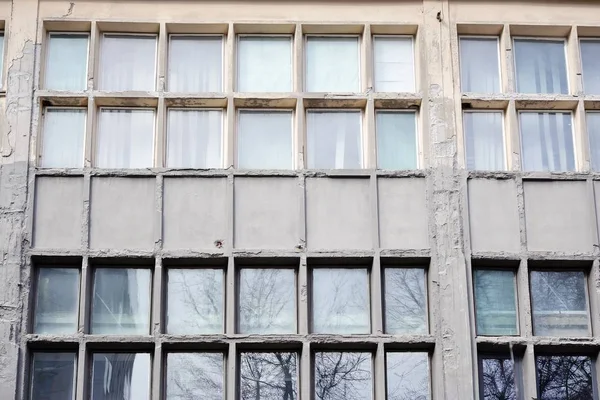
(125, 138)
(593, 128)
(479, 65)
(484, 141)
(195, 64)
(265, 140)
(62, 138)
(334, 139)
(1, 54)
(194, 138)
(127, 62)
(264, 64)
(66, 62)
(541, 66)
(396, 140)
(394, 64)
(547, 141)
(590, 60)
(332, 64)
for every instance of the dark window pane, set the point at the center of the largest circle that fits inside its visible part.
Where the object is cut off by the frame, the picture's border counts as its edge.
(57, 301)
(495, 303)
(343, 376)
(405, 301)
(53, 376)
(498, 379)
(407, 376)
(268, 376)
(564, 377)
(121, 376)
(193, 376)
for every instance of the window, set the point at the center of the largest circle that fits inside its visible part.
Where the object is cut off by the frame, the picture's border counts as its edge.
(407, 376)
(268, 376)
(194, 138)
(479, 65)
(195, 64)
(590, 60)
(497, 378)
(66, 61)
(484, 140)
(120, 376)
(194, 376)
(1, 57)
(56, 301)
(559, 303)
(121, 301)
(343, 375)
(62, 142)
(125, 138)
(593, 129)
(547, 141)
(540, 66)
(332, 64)
(334, 139)
(495, 302)
(340, 300)
(53, 376)
(264, 64)
(195, 301)
(394, 67)
(564, 377)
(127, 62)
(265, 139)
(267, 301)
(396, 140)
(405, 301)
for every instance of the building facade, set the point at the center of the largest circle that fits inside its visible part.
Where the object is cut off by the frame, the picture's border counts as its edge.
(299, 200)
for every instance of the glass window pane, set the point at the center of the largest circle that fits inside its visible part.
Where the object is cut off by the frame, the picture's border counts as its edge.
(547, 141)
(593, 128)
(396, 140)
(56, 301)
(484, 141)
(63, 137)
(405, 301)
(590, 60)
(332, 64)
(559, 303)
(66, 62)
(394, 66)
(121, 302)
(121, 376)
(564, 377)
(194, 376)
(53, 376)
(345, 376)
(195, 301)
(479, 65)
(495, 303)
(498, 379)
(334, 139)
(195, 64)
(407, 376)
(194, 138)
(265, 64)
(268, 376)
(1, 55)
(125, 138)
(540, 66)
(265, 140)
(340, 300)
(127, 62)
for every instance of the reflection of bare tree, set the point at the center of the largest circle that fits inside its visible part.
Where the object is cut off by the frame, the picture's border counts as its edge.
(405, 301)
(343, 376)
(268, 376)
(192, 376)
(498, 379)
(564, 377)
(407, 376)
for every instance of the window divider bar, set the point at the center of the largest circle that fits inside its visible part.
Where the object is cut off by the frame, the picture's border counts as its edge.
(507, 62)
(367, 60)
(300, 138)
(158, 298)
(379, 372)
(230, 297)
(231, 374)
(160, 137)
(529, 374)
(512, 138)
(298, 60)
(230, 61)
(369, 136)
(229, 133)
(89, 134)
(93, 51)
(161, 62)
(303, 298)
(581, 142)
(573, 58)
(158, 370)
(306, 378)
(81, 384)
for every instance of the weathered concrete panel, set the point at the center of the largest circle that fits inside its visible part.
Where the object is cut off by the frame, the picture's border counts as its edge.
(338, 214)
(558, 216)
(58, 212)
(195, 212)
(494, 215)
(266, 213)
(122, 213)
(403, 213)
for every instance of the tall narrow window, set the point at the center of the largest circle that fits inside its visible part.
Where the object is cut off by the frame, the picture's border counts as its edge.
(565, 377)
(53, 376)
(264, 64)
(497, 378)
(194, 138)
(479, 65)
(547, 141)
(484, 141)
(332, 64)
(407, 376)
(590, 62)
(66, 62)
(120, 376)
(1, 57)
(334, 139)
(56, 301)
(268, 376)
(343, 375)
(194, 376)
(396, 140)
(541, 66)
(495, 302)
(195, 64)
(63, 138)
(127, 62)
(394, 66)
(265, 139)
(593, 130)
(405, 301)
(125, 138)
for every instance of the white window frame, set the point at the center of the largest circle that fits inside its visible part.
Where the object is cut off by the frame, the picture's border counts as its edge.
(414, 63)
(418, 143)
(503, 127)
(488, 37)
(44, 84)
(40, 141)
